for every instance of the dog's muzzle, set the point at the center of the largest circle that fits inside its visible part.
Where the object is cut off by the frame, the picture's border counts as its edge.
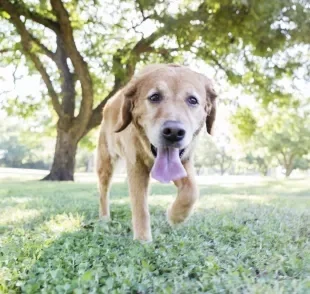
(154, 151)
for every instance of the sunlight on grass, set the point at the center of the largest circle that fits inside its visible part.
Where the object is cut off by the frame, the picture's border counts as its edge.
(13, 215)
(5, 275)
(223, 202)
(292, 202)
(20, 200)
(162, 200)
(220, 202)
(253, 198)
(63, 223)
(120, 201)
(158, 200)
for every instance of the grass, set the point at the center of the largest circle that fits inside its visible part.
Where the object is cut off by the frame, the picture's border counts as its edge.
(241, 239)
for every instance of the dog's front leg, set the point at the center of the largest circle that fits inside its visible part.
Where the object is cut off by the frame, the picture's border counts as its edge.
(138, 180)
(188, 193)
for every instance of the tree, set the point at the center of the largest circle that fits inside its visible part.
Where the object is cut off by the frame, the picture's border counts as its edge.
(223, 160)
(216, 154)
(282, 135)
(261, 162)
(204, 152)
(18, 149)
(290, 141)
(81, 54)
(302, 163)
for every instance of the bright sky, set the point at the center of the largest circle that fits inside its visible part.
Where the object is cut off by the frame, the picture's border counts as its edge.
(28, 85)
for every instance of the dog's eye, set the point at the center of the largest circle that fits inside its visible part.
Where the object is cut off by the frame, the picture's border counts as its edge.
(156, 97)
(192, 100)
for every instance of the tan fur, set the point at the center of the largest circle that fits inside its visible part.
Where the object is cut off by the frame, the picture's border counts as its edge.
(131, 123)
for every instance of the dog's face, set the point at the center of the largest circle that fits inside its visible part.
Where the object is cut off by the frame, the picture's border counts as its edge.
(170, 103)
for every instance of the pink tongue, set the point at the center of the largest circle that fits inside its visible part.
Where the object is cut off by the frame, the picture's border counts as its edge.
(167, 166)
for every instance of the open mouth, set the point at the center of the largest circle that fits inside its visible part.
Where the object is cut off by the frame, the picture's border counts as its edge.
(154, 151)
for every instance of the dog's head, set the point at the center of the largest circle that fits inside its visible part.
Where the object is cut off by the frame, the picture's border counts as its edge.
(170, 103)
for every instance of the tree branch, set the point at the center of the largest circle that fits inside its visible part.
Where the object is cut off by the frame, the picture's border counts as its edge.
(144, 45)
(139, 4)
(26, 42)
(5, 50)
(5, 92)
(96, 117)
(21, 9)
(78, 62)
(68, 79)
(14, 74)
(214, 59)
(43, 48)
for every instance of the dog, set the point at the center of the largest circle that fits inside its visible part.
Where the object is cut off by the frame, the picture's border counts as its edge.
(153, 123)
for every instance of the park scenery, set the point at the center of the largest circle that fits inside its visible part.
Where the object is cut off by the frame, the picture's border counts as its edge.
(61, 61)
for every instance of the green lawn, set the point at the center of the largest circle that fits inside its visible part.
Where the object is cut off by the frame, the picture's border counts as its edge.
(241, 239)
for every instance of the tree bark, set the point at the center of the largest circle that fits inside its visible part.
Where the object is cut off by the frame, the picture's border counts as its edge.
(288, 170)
(64, 157)
(288, 164)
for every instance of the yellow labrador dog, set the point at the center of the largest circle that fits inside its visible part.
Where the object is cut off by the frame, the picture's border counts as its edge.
(152, 123)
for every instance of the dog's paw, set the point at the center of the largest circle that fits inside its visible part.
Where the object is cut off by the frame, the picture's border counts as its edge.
(176, 218)
(143, 239)
(143, 242)
(104, 218)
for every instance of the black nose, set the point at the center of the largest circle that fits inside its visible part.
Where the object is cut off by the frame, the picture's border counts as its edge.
(173, 131)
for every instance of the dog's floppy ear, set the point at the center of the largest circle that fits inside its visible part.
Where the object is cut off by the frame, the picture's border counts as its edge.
(211, 105)
(125, 114)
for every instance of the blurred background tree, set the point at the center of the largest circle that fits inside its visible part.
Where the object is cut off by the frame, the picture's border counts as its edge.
(18, 149)
(217, 155)
(280, 136)
(84, 51)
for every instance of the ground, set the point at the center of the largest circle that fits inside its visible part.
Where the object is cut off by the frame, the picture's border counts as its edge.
(243, 238)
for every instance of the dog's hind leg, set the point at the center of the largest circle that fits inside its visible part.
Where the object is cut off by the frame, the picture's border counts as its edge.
(105, 168)
(188, 193)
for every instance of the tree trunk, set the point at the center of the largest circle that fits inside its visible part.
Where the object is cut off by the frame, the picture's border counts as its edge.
(222, 169)
(263, 170)
(288, 171)
(64, 157)
(288, 164)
